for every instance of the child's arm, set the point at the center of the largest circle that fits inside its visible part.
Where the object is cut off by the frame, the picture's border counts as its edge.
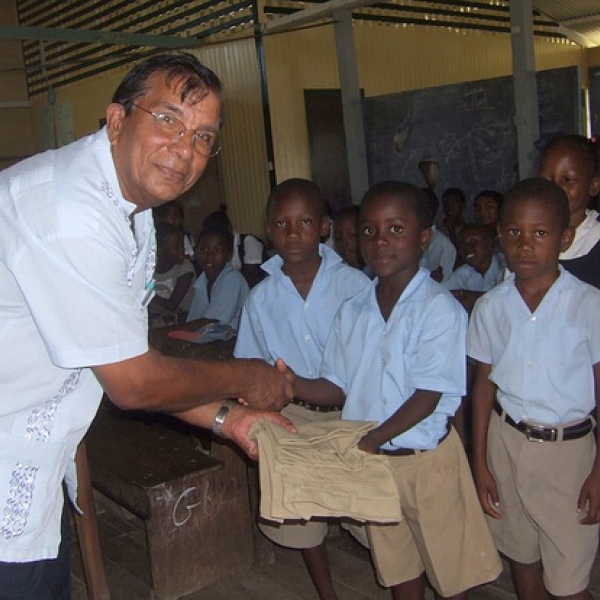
(484, 392)
(418, 407)
(319, 391)
(590, 491)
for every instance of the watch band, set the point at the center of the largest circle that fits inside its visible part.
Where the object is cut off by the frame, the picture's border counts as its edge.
(217, 426)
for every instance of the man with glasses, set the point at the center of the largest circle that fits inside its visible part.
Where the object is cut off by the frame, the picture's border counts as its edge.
(77, 255)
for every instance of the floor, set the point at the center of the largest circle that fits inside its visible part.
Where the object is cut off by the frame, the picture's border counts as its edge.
(123, 546)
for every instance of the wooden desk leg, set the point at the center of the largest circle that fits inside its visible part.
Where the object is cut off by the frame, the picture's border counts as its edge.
(87, 531)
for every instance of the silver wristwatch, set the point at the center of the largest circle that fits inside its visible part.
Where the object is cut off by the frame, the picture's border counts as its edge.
(217, 426)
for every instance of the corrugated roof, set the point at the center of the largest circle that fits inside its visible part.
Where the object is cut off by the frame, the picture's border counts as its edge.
(579, 19)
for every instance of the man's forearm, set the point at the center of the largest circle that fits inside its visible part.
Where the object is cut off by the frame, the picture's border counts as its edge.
(156, 382)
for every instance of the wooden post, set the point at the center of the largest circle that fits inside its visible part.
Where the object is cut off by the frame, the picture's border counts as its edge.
(87, 531)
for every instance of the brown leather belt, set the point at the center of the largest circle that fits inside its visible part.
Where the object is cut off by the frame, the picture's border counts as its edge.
(315, 407)
(540, 433)
(411, 451)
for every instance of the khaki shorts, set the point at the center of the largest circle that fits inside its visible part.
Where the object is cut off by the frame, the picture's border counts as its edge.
(299, 534)
(444, 532)
(539, 484)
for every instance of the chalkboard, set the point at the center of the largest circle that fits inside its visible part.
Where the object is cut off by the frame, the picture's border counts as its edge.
(468, 128)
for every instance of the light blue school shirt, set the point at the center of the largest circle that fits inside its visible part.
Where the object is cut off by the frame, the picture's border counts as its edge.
(467, 278)
(380, 364)
(440, 253)
(541, 361)
(228, 294)
(278, 323)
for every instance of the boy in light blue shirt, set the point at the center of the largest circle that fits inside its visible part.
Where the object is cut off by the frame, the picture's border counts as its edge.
(536, 342)
(396, 351)
(481, 270)
(220, 291)
(288, 315)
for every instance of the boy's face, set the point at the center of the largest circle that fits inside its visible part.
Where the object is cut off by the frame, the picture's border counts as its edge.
(486, 211)
(391, 238)
(296, 225)
(452, 205)
(532, 239)
(346, 240)
(573, 174)
(476, 248)
(212, 254)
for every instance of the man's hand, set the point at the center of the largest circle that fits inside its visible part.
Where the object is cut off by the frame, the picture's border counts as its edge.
(240, 419)
(269, 388)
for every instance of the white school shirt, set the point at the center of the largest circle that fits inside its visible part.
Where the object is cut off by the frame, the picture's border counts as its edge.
(541, 361)
(227, 297)
(73, 279)
(467, 278)
(440, 253)
(380, 364)
(278, 323)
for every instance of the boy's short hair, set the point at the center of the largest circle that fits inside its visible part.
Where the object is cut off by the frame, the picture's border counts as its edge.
(476, 228)
(297, 185)
(407, 191)
(455, 191)
(539, 189)
(353, 210)
(496, 196)
(220, 231)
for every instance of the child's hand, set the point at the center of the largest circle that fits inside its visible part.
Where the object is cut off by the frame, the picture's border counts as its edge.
(368, 444)
(487, 491)
(589, 497)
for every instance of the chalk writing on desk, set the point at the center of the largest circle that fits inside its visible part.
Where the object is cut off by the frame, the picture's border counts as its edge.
(207, 499)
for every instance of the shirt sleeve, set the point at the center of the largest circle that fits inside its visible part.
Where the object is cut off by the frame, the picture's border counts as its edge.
(227, 300)
(251, 342)
(84, 306)
(478, 342)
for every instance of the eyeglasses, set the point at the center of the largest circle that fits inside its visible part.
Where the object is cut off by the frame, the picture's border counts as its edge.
(205, 143)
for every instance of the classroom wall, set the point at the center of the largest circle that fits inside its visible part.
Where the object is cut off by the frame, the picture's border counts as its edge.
(390, 59)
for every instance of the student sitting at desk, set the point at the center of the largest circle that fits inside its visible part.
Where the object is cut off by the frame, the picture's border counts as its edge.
(221, 290)
(173, 277)
(481, 270)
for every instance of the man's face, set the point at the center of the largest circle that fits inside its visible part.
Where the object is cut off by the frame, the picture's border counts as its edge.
(153, 169)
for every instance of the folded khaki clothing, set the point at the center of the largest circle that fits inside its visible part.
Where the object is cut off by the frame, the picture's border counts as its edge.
(320, 472)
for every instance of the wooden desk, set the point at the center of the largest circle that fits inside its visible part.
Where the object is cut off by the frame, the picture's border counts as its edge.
(191, 490)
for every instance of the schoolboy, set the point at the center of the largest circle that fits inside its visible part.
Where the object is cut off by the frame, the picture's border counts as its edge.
(397, 351)
(288, 315)
(481, 270)
(220, 291)
(536, 340)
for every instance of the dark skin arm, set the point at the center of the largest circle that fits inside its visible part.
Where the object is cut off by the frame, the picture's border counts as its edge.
(589, 496)
(484, 392)
(319, 391)
(418, 407)
(174, 300)
(156, 382)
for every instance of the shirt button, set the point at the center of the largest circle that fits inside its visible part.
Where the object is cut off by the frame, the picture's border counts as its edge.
(530, 363)
(533, 318)
(307, 337)
(384, 361)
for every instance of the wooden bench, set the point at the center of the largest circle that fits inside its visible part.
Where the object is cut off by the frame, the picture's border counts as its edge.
(190, 490)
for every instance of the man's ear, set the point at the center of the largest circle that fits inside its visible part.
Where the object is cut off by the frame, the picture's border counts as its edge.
(115, 115)
(326, 227)
(594, 186)
(567, 238)
(426, 236)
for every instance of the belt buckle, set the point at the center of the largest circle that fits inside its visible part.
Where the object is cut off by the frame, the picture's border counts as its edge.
(535, 433)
